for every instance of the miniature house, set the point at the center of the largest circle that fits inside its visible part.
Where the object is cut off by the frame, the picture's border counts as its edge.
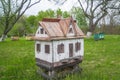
(59, 44)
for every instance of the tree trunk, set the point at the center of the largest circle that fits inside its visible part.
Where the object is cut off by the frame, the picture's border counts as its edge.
(91, 28)
(90, 31)
(2, 37)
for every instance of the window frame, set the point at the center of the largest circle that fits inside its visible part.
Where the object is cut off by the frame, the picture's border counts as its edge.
(60, 48)
(38, 47)
(71, 30)
(47, 49)
(77, 46)
(42, 31)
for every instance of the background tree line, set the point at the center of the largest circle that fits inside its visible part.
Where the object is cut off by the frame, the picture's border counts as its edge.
(89, 18)
(27, 25)
(10, 13)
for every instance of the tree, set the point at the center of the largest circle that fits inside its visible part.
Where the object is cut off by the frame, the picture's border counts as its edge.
(114, 12)
(48, 13)
(11, 11)
(17, 30)
(60, 13)
(79, 15)
(94, 11)
(21, 28)
(114, 18)
(31, 22)
(66, 14)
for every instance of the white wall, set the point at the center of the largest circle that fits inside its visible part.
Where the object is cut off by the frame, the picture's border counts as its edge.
(58, 57)
(42, 55)
(53, 53)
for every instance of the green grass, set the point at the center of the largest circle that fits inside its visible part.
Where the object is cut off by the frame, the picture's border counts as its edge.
(101, 60)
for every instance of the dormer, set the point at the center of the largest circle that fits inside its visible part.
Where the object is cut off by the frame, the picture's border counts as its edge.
(41, 32)
(71, 31)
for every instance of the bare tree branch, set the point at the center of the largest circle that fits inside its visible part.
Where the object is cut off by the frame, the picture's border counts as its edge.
(91, 7)
(97, 6)
(87, 1)
(12, 11)
(94, 11)
(103, 15)
(85, 12)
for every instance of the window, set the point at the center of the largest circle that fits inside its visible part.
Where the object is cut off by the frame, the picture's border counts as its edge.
(38, 47)
(77, 46)
(47, 49)
(45, 32)
(42, 30)
(60, 48)
(70, 30)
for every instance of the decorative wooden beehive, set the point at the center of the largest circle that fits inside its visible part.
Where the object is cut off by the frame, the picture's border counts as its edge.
(59, 46)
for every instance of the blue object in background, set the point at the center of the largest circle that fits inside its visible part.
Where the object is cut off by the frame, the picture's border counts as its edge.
(99, 36)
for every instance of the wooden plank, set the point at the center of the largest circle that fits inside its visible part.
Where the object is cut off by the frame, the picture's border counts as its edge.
(79, 31)
(59, 30)
(49, 29)
(67, 21)
(56, 29)
(58, 65)
(51, 20)
(63, 26)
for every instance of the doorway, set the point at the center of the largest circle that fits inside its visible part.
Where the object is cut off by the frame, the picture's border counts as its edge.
(70, 50)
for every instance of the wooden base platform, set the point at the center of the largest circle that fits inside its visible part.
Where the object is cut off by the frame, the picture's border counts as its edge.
(59, 74)
(53, 71)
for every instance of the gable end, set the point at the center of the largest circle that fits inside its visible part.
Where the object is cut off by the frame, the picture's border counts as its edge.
(41, 32)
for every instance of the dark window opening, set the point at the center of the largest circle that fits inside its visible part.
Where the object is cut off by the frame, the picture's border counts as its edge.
(45, 32)
(60, 48)
(42, 31)
(47, 49)
(71, 50)
(38, 47)
(77, 46)
(70, 30)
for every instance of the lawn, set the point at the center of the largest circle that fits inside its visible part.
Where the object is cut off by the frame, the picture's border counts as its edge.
(101, 60)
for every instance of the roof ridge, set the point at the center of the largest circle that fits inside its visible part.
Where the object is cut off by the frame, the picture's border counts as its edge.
(51, 20)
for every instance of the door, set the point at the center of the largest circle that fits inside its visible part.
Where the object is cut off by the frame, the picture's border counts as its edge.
(70, 50)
